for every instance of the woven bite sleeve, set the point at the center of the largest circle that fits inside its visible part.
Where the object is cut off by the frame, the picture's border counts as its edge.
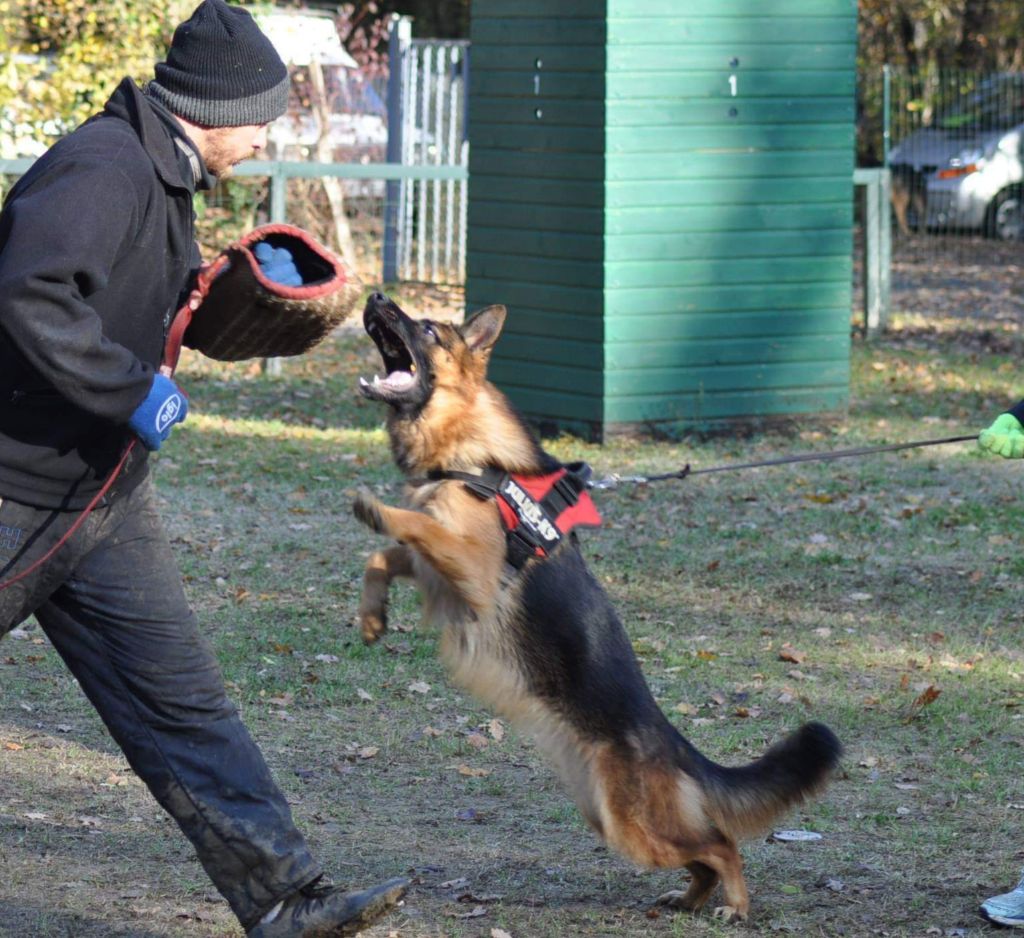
(243, 314)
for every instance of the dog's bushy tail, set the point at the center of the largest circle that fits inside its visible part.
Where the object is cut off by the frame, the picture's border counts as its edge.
(745, 800)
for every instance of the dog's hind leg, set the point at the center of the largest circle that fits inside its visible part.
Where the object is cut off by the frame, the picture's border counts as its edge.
(726, 861)
(702, 883)
(382, 567)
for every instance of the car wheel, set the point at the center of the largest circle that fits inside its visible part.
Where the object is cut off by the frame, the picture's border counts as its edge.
(1006, 216)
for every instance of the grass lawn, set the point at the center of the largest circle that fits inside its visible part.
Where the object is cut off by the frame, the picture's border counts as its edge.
(881, 595)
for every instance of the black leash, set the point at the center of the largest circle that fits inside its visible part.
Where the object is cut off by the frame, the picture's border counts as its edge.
(613, 481)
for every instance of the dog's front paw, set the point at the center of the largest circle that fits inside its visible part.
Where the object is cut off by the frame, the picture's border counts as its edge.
(373, 624)
(367, 508)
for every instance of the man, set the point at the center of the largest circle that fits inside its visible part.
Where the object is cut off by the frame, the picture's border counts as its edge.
(1005, 437)
(96, 254)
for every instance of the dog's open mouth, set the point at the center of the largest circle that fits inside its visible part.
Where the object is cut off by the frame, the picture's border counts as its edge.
(402, 378)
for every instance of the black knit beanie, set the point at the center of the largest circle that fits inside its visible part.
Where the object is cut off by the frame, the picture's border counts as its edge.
(221, 70)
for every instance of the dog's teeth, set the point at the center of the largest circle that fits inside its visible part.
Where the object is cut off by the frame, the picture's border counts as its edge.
(412, 369)
(363, 383)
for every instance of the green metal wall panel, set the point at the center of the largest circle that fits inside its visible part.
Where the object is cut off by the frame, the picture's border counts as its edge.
(717, 350)
(718, 217)
(536, 190)
(716, 410)
(680, 304)
(757, 83)
(514, 374)
(752, 55)
(764, 323)
(662, 195)
(703, 378)
(752, 191)
(766, 24)
(518, 294)
(646, 273)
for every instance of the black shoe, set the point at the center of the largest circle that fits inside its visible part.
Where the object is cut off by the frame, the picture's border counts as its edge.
(329, 911)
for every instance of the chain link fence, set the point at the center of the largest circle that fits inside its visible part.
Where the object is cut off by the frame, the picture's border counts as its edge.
(953, 142)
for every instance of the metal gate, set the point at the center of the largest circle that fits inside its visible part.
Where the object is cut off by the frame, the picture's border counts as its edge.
(425, 220)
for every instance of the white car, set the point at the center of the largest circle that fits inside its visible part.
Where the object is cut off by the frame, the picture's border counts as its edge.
(966, 171)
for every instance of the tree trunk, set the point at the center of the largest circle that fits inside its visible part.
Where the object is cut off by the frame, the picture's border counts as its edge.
(332, 185)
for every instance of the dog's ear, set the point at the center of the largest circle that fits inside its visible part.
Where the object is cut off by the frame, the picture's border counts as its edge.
(482, 331)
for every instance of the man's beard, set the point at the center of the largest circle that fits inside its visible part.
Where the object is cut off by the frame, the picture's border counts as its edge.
(219, 159)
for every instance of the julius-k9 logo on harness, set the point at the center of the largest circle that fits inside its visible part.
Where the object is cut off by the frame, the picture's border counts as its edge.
(528, 511)
(537, 511)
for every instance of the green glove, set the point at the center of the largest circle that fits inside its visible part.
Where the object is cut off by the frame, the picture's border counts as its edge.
(1004, 438)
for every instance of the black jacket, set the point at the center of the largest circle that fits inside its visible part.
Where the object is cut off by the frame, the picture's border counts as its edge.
(96, 254)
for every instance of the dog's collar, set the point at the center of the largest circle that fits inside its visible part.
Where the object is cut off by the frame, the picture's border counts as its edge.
(537, 510)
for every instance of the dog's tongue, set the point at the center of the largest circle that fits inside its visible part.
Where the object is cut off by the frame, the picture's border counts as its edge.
(395, 381)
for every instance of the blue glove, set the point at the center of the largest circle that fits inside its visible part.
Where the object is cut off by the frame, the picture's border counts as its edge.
(162, 408)
(277, 264)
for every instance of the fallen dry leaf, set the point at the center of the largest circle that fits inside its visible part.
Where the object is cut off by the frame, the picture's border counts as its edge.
(470, 772)
(420, 687)
(790, 654)
(497, 730)
(476, 912)
(928, 696)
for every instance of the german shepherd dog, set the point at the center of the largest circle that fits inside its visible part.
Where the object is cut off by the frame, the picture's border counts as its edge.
(542, 645)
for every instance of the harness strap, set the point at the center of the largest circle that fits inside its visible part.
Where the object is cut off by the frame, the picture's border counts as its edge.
(537, 511)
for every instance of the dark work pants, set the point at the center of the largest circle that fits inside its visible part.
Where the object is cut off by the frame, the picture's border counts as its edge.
(111, 602)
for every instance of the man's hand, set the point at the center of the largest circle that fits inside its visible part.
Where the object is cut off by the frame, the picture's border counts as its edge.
(160, 410)
(278, 265)
(1004, 438)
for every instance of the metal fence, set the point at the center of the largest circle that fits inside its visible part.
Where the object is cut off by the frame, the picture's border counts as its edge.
(952, 140)
(425, 230)
(283, 190)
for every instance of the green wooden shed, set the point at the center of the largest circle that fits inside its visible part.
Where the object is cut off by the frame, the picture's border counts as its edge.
(661, 192)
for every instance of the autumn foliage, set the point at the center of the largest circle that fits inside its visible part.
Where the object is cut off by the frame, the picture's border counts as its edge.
(60, 59)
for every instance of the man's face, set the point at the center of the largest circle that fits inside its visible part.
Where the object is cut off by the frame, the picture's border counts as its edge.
(226, 146)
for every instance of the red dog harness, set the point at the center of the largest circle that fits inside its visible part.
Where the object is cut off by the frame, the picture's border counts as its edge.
(537, 511)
